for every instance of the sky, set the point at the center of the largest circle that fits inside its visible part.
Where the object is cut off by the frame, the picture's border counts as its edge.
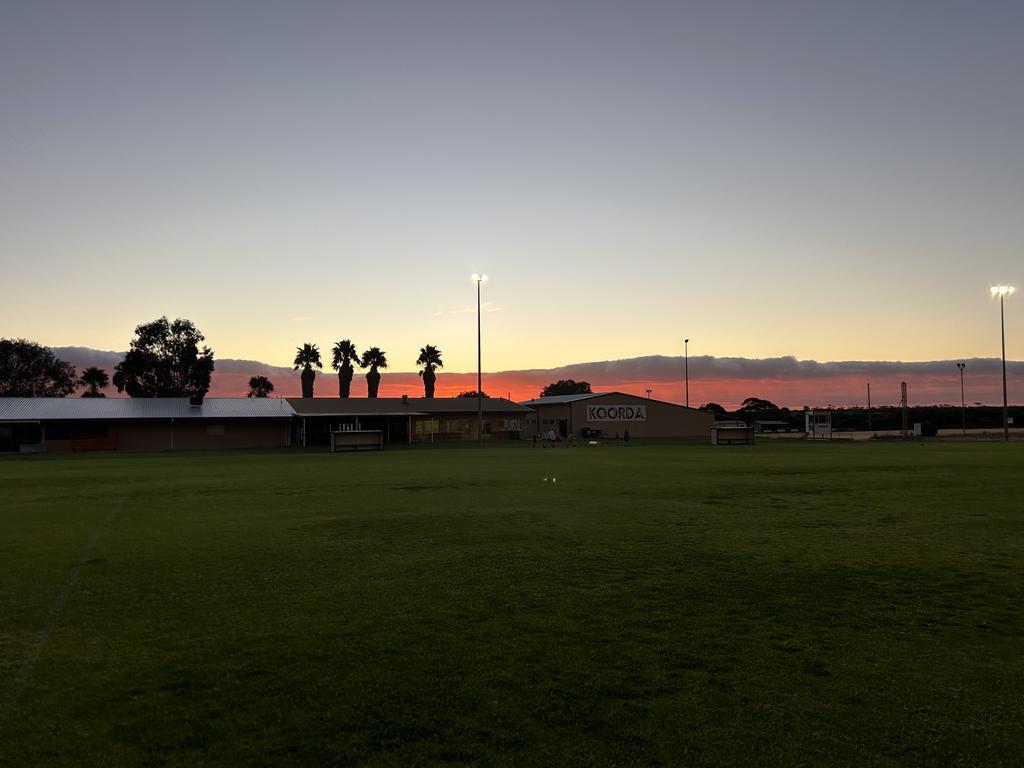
(830, 181)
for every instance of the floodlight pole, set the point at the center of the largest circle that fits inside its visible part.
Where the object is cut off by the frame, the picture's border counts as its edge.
(963, 400)
(686, 369)
(478, 279)
(479, 375)
(1002, 333)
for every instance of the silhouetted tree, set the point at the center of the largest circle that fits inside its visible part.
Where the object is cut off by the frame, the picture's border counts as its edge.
(306, 357)
(472, 393)
(344, 355)
(713, 408)
(430, 359)
(757, 405)
(566, 387)
(165, 360)
(28, 369)
(260, 386)
(373, 359)
(95, 379)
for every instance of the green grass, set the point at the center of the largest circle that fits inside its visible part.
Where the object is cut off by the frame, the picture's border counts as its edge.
(787, 605)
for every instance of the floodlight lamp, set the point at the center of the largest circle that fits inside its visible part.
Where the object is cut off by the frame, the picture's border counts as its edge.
(476, 279)
(1002, 290)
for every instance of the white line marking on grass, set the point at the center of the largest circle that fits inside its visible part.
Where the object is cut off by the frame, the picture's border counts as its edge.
(28, 664)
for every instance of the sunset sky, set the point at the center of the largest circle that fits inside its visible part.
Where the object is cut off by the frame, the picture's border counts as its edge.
(830, 181)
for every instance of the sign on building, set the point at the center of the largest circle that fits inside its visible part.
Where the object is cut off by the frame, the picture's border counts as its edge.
(616, 413)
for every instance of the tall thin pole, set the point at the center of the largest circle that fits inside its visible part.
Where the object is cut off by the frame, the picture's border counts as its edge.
(869, 406)
(1006, 411)
(686, 369)
(963, 400)
(479, 376)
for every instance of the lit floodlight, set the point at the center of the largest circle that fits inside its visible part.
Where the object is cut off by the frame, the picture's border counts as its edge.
(1002, 291)
(478, 278)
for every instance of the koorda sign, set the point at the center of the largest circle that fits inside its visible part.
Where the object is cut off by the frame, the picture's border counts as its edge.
(616, 413)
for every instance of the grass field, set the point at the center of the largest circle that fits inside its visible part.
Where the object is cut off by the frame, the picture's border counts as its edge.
(788, 604)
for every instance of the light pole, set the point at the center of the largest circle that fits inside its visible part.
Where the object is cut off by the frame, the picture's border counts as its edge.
(1002, 291)
(963, 401)
(686, 368)
(479, 279)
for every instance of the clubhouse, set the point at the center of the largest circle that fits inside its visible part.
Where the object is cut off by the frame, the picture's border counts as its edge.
(88, 424)
(612, 415)
(120, 423)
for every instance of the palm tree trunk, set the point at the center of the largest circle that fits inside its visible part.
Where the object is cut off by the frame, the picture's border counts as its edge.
(344, 380)
(308, 375)
(372, 382)
(429, 378)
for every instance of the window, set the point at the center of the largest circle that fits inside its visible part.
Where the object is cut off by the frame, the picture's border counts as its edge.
(215, 429)
(457, 426)
(427, 427)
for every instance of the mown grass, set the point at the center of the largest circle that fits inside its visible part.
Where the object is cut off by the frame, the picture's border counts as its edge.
(675, 605)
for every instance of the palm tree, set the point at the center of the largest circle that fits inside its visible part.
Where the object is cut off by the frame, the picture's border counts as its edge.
(260, 386)
(306, 357)
(373, 359)
(344, 355)
(430, 359)
(95, 379)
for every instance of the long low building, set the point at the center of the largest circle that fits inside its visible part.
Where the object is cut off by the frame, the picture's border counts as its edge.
(118, 423)
(612, 415)
(152, 423)
(408, 419)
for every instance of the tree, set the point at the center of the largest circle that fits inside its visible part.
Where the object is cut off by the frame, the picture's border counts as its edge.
(373, 359)
(757, 405)
(95, 379)
(472, 393)
(713, 408)
(260, 386)
(165, 360)
(430, 359)
(566, 387)
(306, 357)
(28, 369)
(344, 355)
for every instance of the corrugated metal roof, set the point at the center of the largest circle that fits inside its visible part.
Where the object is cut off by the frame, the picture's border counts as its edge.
(112, 408)
(559, 399)
(393, 406)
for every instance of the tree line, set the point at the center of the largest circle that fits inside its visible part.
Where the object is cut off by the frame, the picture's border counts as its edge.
(345, 358)
(168, 359)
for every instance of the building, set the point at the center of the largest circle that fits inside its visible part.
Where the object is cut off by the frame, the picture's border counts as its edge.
(407, 419)
(818, 422)
(611, 414)
(773, 425)
(119, 423)
(123, 423)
